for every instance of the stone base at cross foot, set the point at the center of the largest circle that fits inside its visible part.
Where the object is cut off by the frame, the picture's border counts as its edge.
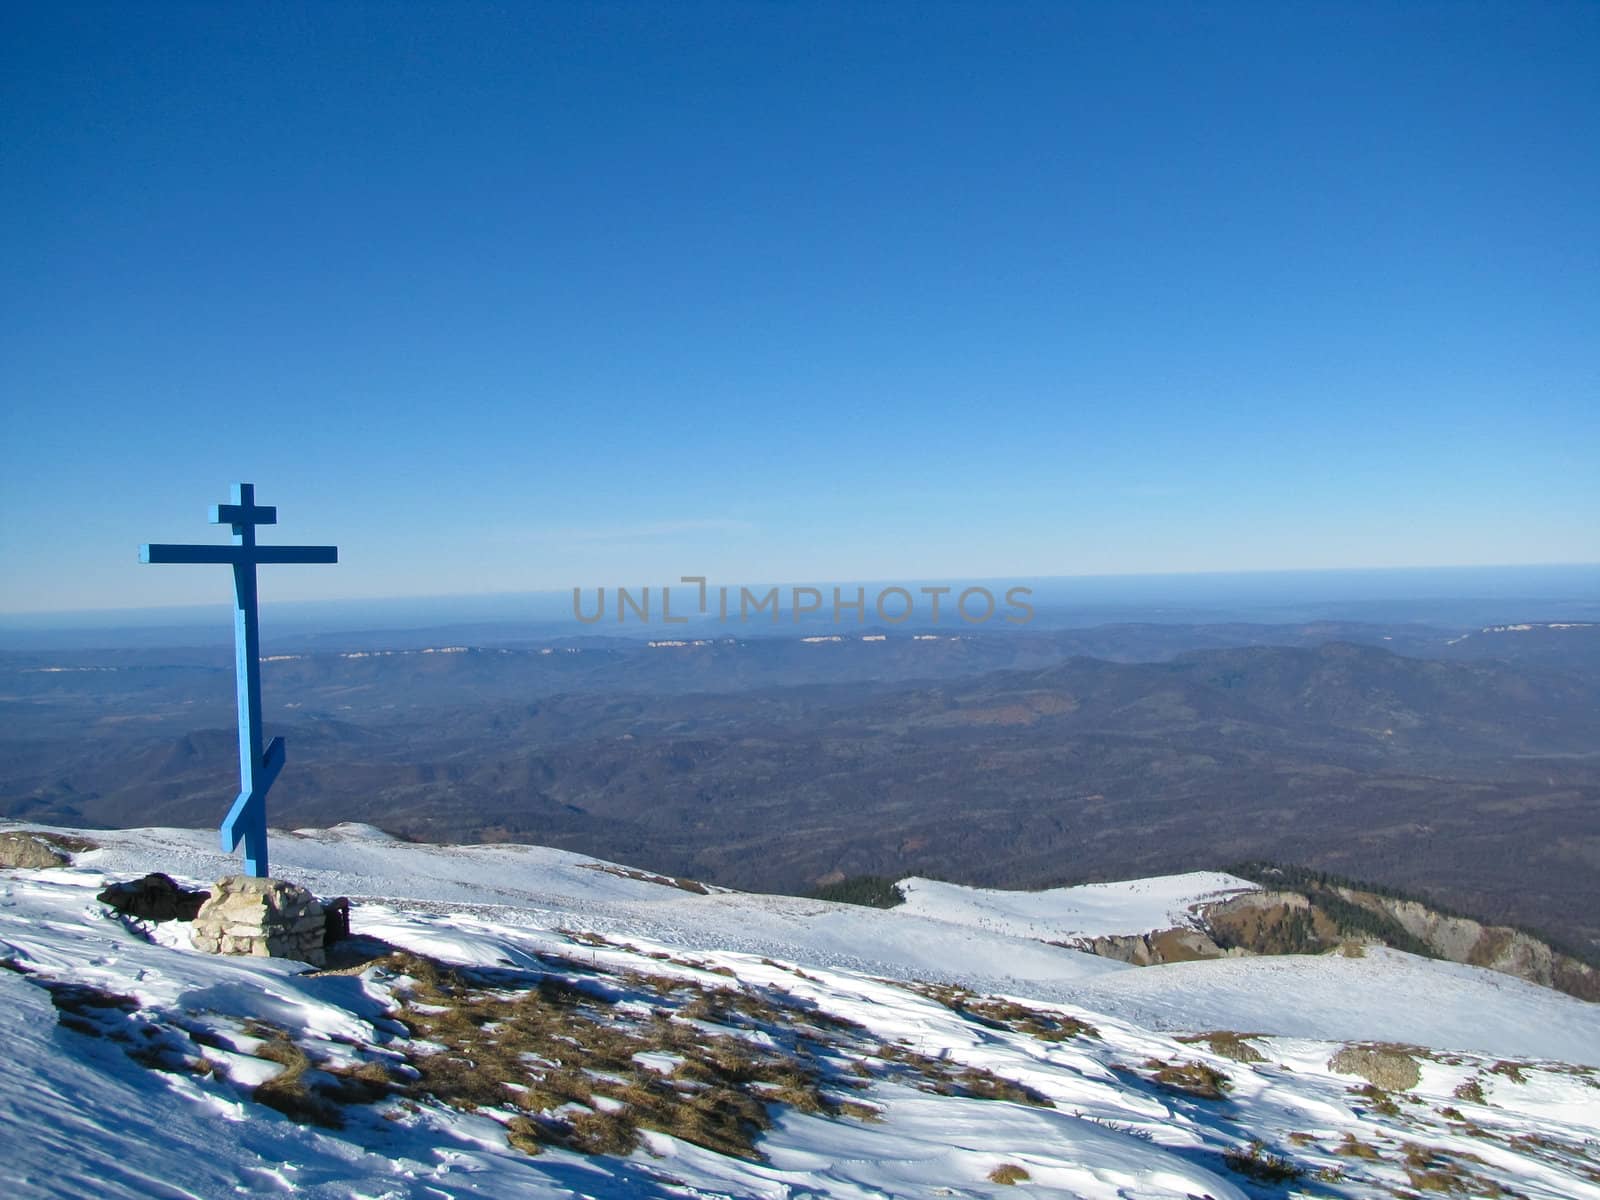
(267, 918)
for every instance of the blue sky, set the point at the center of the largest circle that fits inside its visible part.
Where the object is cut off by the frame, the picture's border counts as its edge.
(533, 296)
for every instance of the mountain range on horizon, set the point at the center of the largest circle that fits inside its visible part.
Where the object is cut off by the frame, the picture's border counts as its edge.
(1455, 763)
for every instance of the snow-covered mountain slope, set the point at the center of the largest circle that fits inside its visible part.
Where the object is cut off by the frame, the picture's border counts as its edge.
(1086, 911)
(867, 1040)
(1384, 996)
(536, 884)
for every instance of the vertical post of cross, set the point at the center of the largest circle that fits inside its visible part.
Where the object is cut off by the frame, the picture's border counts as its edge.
(243, 516)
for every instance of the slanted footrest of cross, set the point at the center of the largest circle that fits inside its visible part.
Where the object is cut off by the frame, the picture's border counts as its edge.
(247, 819)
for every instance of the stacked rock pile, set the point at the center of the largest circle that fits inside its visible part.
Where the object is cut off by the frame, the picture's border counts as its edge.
(262, 917)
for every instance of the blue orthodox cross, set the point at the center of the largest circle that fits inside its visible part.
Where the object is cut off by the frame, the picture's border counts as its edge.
(247, 819)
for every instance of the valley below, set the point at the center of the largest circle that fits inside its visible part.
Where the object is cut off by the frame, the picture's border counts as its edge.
(1461, 769)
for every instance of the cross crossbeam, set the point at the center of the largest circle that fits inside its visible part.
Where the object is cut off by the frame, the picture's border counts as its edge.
(245, 512)
(160, 553)
(258, 766)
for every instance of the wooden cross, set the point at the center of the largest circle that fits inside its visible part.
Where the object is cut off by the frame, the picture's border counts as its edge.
(247, 819)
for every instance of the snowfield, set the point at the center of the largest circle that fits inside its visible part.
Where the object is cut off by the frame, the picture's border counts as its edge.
(1091, 910)
(950, 1046)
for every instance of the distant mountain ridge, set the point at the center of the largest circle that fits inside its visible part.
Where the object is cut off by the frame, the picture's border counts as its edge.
(1473, 779)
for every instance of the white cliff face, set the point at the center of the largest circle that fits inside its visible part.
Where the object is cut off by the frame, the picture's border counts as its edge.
(1497, 947)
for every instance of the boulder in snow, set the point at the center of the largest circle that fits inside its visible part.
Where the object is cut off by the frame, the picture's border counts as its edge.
(156, 897)
(29, 852)
(1391, 1068)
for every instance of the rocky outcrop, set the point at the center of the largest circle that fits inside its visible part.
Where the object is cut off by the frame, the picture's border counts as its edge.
(156, 897)
(1388, 1067)
(1162, 946)
(1497, 947)
(24, 850)
(1243, 925)
(1277, 922)
(1330, 917)
(264, 918)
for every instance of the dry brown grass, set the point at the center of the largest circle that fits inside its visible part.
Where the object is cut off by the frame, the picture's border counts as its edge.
(994, 1012)
(1379, 1099)
(1512, 1071)
(1354, 1147)
(1255, 1161)
(288, 1092)
(597, 1132)
(152, 1043)
(1430, 1170)
(1009, 1173)
(526, 1134)
(984, 1084)
(860, 1112)
(945, 1078)
(366, 1084)
(81, 998)
(551, 1054)
(535, 1049)
(1227, 1044)
(1189, 1078)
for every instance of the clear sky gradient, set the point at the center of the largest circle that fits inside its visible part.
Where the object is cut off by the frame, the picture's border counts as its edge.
(506, 297)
